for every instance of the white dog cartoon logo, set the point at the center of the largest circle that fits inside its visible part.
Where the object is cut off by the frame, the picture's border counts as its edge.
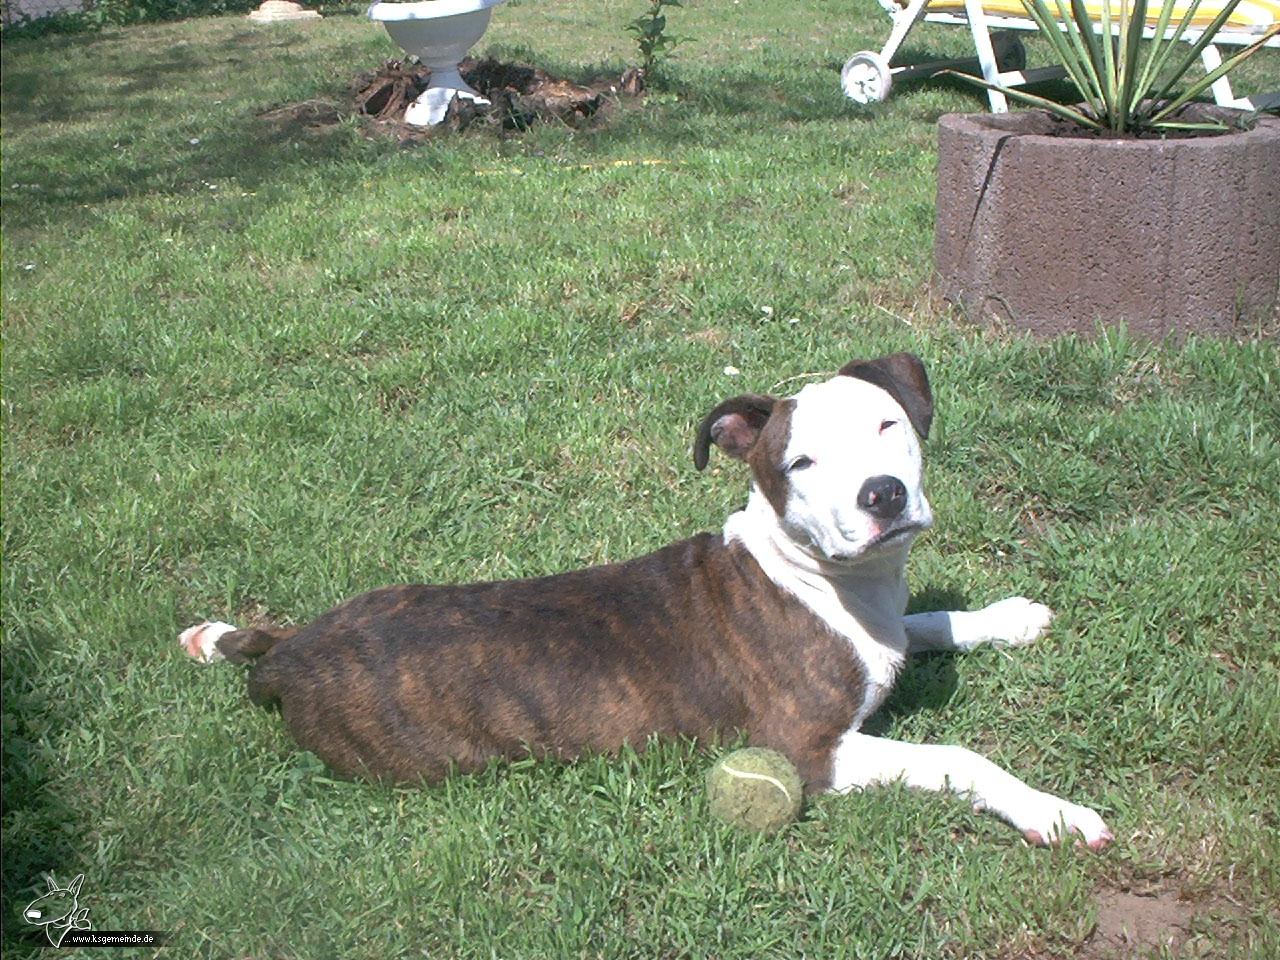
(58, 910)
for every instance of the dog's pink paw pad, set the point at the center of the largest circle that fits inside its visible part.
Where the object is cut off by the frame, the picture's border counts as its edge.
(1034, 838)
(1101, 842)
(200, 642)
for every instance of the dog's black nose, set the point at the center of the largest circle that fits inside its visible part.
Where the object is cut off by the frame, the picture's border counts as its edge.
(883, 497)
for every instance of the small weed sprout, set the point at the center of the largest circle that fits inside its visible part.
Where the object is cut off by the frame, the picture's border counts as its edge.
(650, 31)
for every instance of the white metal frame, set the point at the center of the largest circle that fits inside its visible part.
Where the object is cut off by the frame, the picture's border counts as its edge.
(868, 76)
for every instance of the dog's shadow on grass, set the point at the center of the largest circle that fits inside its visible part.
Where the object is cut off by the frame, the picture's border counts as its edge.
(928, 681)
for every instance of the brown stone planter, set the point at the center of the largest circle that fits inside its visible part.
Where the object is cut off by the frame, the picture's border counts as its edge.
(1056, 234)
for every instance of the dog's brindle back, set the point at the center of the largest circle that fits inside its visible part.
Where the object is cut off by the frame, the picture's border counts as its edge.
(409, 682)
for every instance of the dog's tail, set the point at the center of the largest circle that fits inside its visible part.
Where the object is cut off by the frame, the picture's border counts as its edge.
(245, 646)
(207, 642)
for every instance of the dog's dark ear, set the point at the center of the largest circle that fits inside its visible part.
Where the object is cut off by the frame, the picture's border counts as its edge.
(734, 426)
(902, 376)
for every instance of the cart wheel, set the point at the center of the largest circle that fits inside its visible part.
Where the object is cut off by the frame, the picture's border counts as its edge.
(866, 78)
(1009, 51)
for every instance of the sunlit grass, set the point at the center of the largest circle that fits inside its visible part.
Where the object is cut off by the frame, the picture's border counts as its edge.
(249, 372)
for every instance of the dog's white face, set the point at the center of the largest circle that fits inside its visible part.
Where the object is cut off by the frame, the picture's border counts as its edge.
(853, 471)
(839, 464)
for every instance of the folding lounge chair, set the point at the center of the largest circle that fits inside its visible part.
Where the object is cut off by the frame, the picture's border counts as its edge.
(869, 75)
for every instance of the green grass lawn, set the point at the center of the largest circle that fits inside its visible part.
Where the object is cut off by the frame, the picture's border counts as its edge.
(250, 371)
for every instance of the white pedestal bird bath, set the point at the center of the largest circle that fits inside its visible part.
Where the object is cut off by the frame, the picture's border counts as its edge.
(439, 33)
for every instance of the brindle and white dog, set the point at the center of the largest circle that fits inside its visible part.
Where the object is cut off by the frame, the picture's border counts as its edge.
(788, 627)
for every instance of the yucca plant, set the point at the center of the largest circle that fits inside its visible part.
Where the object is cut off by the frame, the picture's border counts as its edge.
(1128, 86)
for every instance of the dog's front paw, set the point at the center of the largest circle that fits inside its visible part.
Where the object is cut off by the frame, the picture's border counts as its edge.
(1015, 621)
(1048, 820)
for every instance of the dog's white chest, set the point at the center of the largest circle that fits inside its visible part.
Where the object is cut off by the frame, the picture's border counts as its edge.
(882, 669)
(866, 612)
(876, 634)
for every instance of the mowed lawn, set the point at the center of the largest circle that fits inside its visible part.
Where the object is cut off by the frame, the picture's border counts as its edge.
(251, 369)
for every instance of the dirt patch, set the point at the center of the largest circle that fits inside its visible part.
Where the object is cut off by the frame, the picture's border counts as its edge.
(309, 115)
(1131, 925)
(708, 337)
(1156, 922)
(520, 96)
(1160, 922)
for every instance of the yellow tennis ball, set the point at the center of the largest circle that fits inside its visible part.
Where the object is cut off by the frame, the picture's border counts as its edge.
(755, 789)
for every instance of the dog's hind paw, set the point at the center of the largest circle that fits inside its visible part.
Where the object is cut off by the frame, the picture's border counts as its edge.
(200, 642)
(1015, 621)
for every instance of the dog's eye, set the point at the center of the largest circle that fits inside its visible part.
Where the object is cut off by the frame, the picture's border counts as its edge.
(799, 463)
(886, 424)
